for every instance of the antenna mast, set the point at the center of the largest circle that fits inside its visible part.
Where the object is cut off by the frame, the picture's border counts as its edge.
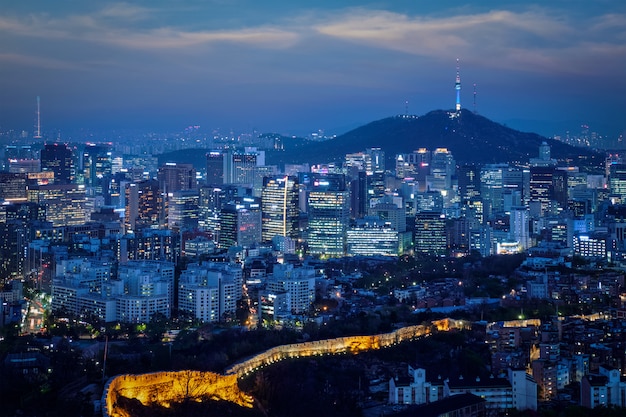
(457, 87)
(38, 126)
(475, 112)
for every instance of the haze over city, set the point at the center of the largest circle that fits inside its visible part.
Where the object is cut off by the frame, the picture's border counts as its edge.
(295, 67)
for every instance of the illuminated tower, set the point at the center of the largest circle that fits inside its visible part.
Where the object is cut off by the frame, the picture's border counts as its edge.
(457, 87)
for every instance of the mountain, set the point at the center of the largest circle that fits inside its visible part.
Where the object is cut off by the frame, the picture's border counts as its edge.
(470, 138)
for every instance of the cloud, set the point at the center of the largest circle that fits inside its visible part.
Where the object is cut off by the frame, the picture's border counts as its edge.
(535, 40)
(170, 38)
(112, 25)
(34, 61)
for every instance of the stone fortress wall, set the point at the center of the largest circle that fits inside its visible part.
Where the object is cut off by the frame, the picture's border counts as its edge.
(165, 388)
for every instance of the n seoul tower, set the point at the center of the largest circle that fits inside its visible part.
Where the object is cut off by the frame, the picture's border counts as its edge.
(457, 87)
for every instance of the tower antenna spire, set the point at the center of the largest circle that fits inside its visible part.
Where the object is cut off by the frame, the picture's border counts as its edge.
(457, 86)
(475, 112)
(38, 125)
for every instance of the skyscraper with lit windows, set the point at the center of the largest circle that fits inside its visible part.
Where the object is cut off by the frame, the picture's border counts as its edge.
(144, 205)
(57, 157)
(329, 215)
(279, 204)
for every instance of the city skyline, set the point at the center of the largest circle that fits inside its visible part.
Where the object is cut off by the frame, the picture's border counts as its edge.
(296, 68)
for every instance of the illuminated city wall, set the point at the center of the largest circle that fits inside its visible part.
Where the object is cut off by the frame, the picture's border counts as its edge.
(165, 388)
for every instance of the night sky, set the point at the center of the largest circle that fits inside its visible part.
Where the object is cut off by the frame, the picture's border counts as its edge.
(298, 66)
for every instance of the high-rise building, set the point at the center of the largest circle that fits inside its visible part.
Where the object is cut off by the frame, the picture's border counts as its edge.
(280, 207)
(58, 158)
(442, 170)
(239, 167)
(210, 204)
(215, 168)
(377, 158)
(519, 226)
(97, 164)
(182, 210)
(358, 195)
(469, 182)
(392, 214)
(176, 177)
(240, 222)
(372, 236)
(492, 187)
(144, 205)
(541, 187)
(430, 233)
(329, 215)
(12, 186)
(414, 165)
(65, 203)
(617, 181)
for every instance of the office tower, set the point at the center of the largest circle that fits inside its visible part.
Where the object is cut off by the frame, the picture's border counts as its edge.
(260, 173)
(428, 201)
(375, 186)
(240, 222)
(377, 159)
(280, 207)
(358, 196)
(469, 182)
(372, 236)
(359, 161)
(392, 214)
(215, 168)
(239, 167)
(65, 203)
(144, 205)
(617, 181)
(14, 240)
(514, 183)
(12, 187)
(97, 164)
(24, 211)
(14, 153)
(211, 202)
(176, 177)
(442, 169)
(414, 165)
(329, 215)
(58, 158)
(430, 233)
(182, 210)
(21, 159)
(492, 186)
(541, 187)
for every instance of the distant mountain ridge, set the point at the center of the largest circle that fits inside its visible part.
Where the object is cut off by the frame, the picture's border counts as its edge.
(470, 137)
